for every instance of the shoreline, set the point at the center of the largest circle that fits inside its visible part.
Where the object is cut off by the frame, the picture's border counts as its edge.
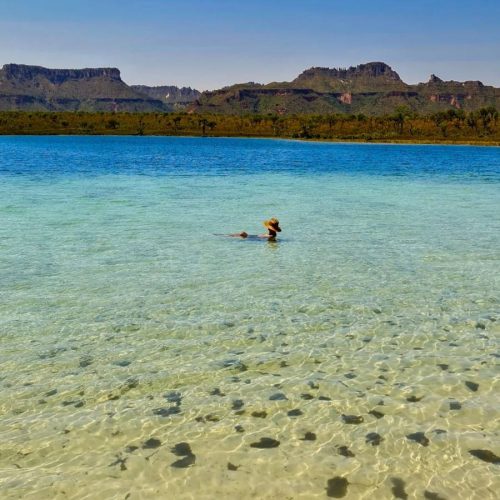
(440, 128)
(405, 142)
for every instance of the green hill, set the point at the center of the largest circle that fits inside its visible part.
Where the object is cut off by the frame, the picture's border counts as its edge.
(34, 88)
(371, 89)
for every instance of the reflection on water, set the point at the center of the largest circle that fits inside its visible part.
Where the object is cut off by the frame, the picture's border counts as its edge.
(143, 357)
(273, 244)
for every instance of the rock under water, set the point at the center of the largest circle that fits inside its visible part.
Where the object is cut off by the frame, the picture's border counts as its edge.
(337, 487)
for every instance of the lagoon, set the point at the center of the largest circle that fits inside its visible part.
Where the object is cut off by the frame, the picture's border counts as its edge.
(144, 356)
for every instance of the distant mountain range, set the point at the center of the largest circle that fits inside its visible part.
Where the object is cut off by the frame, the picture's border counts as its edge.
(372, 89)
(172, 96)
(34, 88)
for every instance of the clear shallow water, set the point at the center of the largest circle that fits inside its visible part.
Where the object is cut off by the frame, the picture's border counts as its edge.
(127, 327)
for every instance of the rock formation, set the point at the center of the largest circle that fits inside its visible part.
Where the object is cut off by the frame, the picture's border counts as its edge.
(177, 97)
(371, 89)
(35, 88)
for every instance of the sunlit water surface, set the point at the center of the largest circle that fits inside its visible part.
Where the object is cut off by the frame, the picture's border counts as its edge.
(364, 342)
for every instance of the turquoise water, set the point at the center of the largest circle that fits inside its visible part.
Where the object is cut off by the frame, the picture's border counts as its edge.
(128, 327)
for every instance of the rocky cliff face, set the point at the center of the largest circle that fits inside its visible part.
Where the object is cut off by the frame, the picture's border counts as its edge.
(57, 76)
(372, 89)
(467, 95)
(365, 77)
(25, 87)
(177, 97)
(368, 70)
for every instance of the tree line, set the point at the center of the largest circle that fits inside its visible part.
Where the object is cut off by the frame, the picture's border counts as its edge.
(403, 125)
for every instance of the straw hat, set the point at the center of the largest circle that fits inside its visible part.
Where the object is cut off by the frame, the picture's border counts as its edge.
(273, 224)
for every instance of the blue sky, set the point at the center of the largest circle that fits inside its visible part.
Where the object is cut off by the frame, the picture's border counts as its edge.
(208, 44)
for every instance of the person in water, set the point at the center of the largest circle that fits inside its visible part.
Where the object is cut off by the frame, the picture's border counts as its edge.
(272, 225)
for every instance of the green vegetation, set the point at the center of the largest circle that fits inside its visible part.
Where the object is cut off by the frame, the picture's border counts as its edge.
(372, 89)
(452, 126)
